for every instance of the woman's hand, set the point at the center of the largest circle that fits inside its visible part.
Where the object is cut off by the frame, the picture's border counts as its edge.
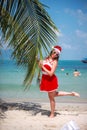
(40, 63)
(50, 72)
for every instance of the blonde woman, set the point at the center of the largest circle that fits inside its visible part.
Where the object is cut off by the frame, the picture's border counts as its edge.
(49, 81)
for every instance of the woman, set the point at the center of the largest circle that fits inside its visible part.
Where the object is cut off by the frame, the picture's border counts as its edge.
(49, 81)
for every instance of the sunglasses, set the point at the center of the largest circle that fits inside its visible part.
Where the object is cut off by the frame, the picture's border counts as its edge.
(53, 52)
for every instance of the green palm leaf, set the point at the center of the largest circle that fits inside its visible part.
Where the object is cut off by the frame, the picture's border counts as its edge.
(29, 31)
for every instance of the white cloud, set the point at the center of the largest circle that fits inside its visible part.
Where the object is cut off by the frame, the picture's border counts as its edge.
(60, 34)
(82, 17)
(79, 14)
(66, 46)
(81, 34)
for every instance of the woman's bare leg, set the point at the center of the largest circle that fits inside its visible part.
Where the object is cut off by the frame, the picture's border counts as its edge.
(54, 94)
(63, 93)
(51, 96)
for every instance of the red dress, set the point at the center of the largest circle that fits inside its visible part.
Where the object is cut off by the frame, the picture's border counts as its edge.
(48, 83)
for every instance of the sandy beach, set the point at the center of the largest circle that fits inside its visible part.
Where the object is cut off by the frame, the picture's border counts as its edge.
(35, 116)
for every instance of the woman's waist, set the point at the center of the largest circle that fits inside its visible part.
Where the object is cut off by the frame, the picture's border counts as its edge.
(46, 74)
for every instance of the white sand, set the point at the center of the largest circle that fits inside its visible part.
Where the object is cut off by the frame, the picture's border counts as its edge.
(39, 120)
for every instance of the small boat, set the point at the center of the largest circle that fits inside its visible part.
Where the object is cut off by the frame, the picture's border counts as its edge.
(84, 60)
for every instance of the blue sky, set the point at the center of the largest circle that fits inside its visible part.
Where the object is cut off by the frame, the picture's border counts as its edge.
(70, 17)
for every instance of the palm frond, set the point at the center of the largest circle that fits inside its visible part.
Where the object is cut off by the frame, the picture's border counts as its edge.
(29, 30)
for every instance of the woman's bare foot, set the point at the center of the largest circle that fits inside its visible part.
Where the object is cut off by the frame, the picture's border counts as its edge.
(51, 115)
(75, 94)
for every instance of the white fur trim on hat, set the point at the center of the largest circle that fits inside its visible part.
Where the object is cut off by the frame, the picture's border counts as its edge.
(57, 50)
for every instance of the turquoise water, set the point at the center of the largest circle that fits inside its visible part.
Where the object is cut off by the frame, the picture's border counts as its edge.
(12, 76)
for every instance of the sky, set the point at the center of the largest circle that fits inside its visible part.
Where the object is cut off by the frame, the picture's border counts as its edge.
(70, 17)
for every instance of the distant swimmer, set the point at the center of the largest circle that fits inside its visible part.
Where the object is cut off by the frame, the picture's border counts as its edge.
(62, 69)
(76, 73)
(67, 73)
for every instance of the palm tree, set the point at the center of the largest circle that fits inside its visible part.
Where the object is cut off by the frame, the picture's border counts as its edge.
(28, 30)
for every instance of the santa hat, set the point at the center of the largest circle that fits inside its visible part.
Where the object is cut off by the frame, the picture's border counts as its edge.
(57, 49)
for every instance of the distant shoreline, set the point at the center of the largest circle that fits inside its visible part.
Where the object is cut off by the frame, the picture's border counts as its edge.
(41, 100)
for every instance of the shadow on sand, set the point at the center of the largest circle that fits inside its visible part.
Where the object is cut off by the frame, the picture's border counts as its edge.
(34, 108)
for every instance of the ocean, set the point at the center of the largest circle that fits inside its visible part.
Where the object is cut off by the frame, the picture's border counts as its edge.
(12, 76)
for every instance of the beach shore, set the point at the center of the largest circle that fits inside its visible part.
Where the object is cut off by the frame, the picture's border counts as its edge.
(35, 115)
